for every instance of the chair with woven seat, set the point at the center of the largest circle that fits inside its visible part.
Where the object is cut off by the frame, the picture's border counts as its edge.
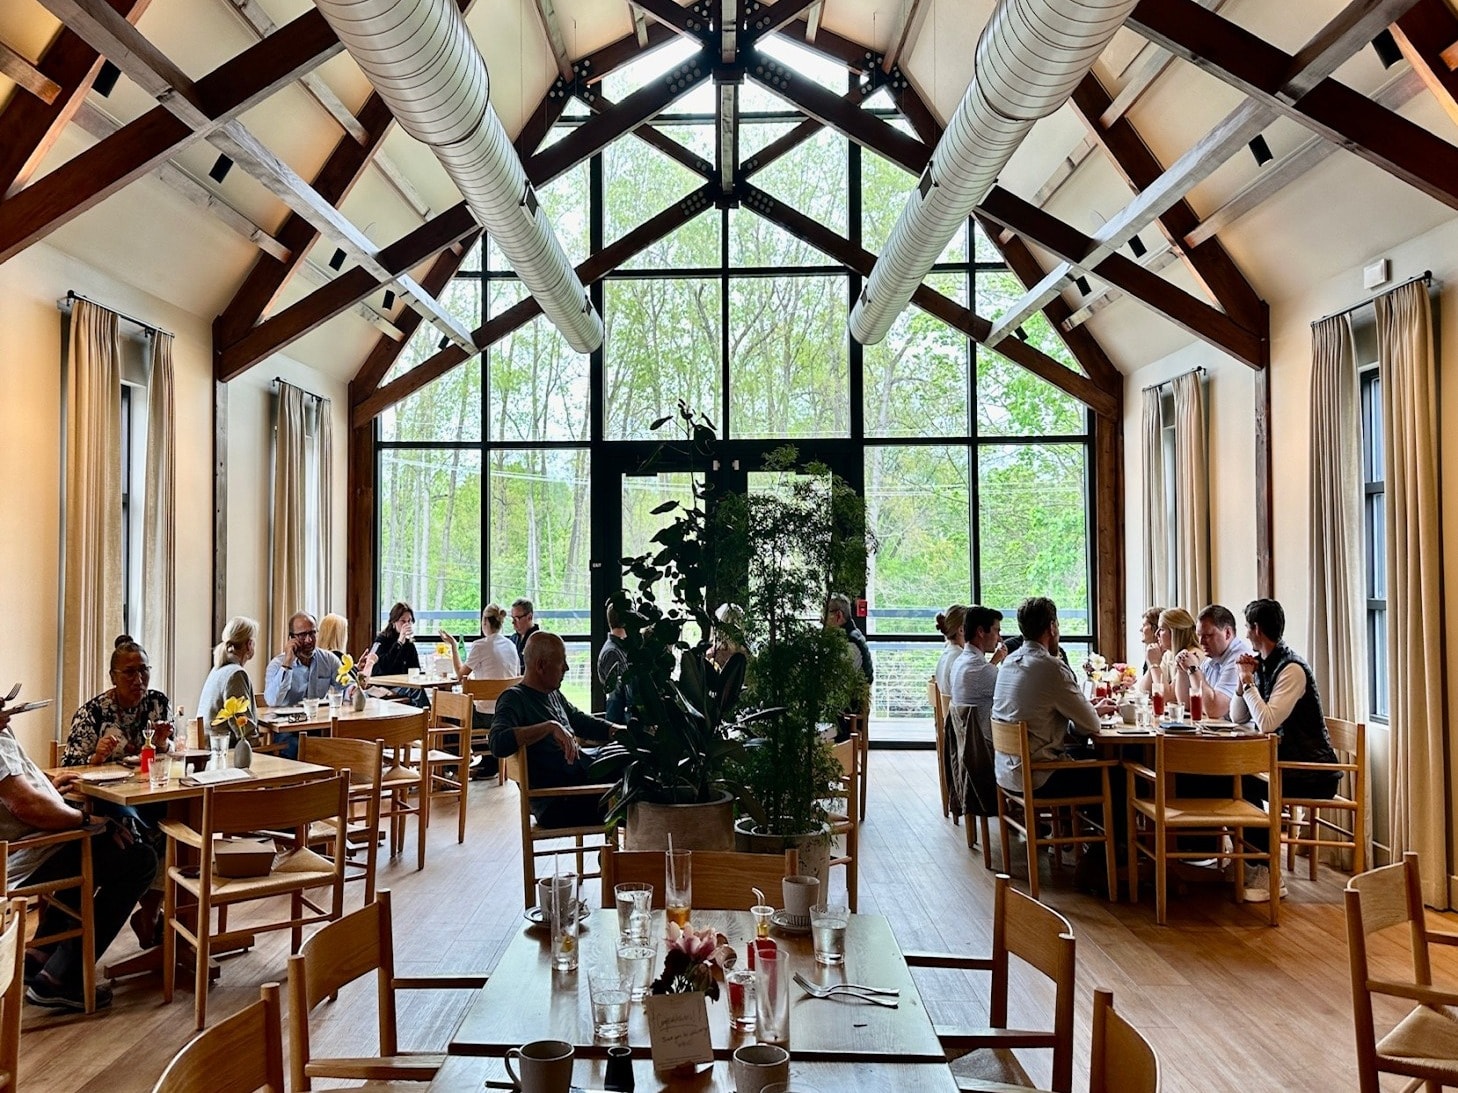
(228, 811)
(363, 760)
(536, 840)
(452, 713)
(12, 988)
(240, 1054)
(722, 878)
(487, 690)
(1162, 816)
(1422, 1046)
(404, 737)
(1349, 739)
(1039, 936)
(359, 943)
(1022, 812)
(45, 892)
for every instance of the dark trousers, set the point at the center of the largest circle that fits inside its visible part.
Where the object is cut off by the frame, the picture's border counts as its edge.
(1088, 782)
(121, 873)
(1313, 784)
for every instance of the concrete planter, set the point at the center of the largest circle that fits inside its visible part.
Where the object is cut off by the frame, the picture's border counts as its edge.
(814, 847)
(708, 826)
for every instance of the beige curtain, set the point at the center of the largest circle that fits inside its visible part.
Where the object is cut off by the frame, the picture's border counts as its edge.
(92, 569)
(1336, 639)
(1156, 551)
(289, 524)
(324, 507)
(1192, 493)
(1414, 583)
(159, 528)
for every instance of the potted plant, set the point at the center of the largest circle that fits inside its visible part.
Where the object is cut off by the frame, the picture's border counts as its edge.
(675, 760)
(796, 542)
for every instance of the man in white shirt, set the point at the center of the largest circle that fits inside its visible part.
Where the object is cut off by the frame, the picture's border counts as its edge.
(974, 674)
(1218, 674)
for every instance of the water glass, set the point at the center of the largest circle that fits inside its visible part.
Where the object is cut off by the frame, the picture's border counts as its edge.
(638, 960)
(412, 674)
(218, 745)
(160, 772)
(743, 1012)
(827, 931)
(772, 996)
(610, 993)
(678, 885)
(336, 697)
(1177, 712)
(311, 708)
(559, 907)
(635, 906)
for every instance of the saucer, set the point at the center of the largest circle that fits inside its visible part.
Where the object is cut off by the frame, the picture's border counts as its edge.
(790, 924)
(537, 919)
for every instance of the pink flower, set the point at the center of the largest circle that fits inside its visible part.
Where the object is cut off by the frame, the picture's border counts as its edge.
(697, 945)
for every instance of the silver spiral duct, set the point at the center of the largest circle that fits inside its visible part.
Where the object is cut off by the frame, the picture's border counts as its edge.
(1031, 56)
(421, 58)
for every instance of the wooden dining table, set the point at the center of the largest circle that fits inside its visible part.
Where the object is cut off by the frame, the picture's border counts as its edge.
(425, 682)
(283, 718)
(526, 999)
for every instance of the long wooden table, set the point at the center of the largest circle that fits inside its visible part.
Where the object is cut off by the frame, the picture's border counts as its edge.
(526, 1000)
(424, 682)
(376, 709)
(137, 789)
(467, 1075)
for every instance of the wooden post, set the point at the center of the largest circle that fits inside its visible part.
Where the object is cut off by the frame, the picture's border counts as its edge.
(1108, 537)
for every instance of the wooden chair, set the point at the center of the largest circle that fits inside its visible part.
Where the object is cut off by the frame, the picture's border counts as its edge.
(12, 988)
(363, 762)
(722, 878)
(44, 893)
(453, 712)
(1163, 816)
(1349, 738)
(1040, 936)
(939, 730)
(534, 836)
(1424, 1044)
(359, 943)
(487, 690)
(402, 737)
(230, 811)
(972, 763)
(845, 823)
(240, 1054)
(1011, 738)
(860, 728)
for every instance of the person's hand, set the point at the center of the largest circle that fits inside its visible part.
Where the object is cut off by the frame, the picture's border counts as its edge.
(66, 779)
(290, 650)
(106, 747)
(1106, 706)
(999, 654)
(566, 741)
(1152, 652)
(1187, 660)
(448, 639)
(367, 662)
(1247, 664)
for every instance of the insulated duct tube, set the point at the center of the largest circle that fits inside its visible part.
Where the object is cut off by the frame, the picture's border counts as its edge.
(421, 58)
(1031, 56)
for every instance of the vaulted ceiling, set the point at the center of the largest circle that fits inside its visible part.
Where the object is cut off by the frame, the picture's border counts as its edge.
(1361, 154)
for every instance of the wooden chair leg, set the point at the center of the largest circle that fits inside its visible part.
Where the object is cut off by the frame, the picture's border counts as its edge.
(422, 824)
(86, 906)
(1161, 866)
(169, 924)
(986, 843)
(1002, 835)
(200, 972)
(1030, 823)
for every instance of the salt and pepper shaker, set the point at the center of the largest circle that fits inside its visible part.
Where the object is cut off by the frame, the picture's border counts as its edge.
(619, 1073)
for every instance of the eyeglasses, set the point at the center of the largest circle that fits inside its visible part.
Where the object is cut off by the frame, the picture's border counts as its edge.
(521, 616)
(304, 634)
(133, 673)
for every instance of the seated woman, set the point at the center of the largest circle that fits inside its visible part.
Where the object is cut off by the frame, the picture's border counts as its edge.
(491, 656)
(949, 625)
(334, 634)
(394, 653)
(1149, 635)
(1176, 633)
(229, 677)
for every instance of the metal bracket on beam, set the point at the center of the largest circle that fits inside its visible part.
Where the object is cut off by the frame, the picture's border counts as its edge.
(577, 87)
(730, 73)
(873, 79)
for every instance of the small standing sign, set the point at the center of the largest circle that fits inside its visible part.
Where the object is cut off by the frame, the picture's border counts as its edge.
(678, 1030)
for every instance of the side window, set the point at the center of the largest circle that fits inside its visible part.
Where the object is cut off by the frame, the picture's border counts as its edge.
(1374, 536)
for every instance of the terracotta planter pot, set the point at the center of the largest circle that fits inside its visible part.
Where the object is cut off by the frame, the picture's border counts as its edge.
(708, 826)
(814, 848)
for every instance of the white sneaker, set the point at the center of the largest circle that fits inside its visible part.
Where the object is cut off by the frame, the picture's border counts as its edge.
(1258, 885)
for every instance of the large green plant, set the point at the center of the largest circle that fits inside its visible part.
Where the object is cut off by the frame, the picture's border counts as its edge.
(672, 750)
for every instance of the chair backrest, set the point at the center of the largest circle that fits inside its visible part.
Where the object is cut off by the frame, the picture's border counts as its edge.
(1204, 755)
(1011, 738)
(363, 760)
(933, 695)
(1348, 738)
(12, 985)
(1040, 936)
(335, 956)
(454, 707)
(722, 879)
(228, 810)
(485, 690)
(241, 1054)
(398, 733)
(1123, 1060)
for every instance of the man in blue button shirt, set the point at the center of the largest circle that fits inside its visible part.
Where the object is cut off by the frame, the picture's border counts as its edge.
(301, 671)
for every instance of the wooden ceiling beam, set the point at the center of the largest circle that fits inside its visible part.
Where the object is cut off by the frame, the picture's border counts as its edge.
(142, 145)
(386, 351)
(678, 19)
(552, 28)
(1074, 248)
(909, 21)
(1152, 62)
(1234, 55)
(1423, 34)
(763, 19)
(661, 142)
(343, 292)
(27, 76)
(32, 126)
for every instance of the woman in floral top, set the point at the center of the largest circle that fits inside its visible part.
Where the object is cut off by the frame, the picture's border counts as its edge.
(111, 725)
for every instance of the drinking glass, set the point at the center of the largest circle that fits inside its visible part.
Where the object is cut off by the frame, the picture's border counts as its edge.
(827, 931)
(336, 696)
(311, 708)
(743, 1012)
(763, 913)
(678, 885)
(160, 771)
(610, 993)
(635, 905)
(218, 745)
(638, 960)
(560, 908)
(772, 996)
(1177, 712)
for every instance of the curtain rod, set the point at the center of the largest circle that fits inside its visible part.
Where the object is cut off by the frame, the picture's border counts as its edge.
(296, 387)
(64, 303)
(1425, 275)
(1198, 370)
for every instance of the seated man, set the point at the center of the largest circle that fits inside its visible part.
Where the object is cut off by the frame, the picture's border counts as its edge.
(301, 671)
(1278, 692)
(1219, 672)
(973, 673)
(534, 715)
(123, 868)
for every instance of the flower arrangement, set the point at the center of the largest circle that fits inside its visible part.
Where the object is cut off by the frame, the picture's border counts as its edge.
(691, 959)
(1115, 678)
(235, 710)
(347, 673)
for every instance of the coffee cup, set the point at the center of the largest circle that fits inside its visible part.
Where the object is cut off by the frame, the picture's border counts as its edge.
(546, 1066)
(757, 1066)
(800, 894)
(544, 892)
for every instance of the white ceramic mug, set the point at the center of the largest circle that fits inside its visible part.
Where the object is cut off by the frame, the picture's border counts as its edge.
(546, 1066)
(800, 894)
(544, 892)
(756, 1066)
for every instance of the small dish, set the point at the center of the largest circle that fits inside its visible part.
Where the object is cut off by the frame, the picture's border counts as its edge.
(1177, 727)
(790, 924)
(538, 920)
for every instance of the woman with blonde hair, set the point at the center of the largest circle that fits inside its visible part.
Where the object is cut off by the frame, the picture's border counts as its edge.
(229, 678)
(334, 634)
(949, 624)
(1176, 633)
(491, 656)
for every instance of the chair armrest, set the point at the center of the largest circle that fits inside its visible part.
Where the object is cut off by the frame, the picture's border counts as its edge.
(982, 1085)
(954, 1038)
(1435, 937)
(948, 960)
(176, 829)
(54, 838)
(1315, 766)
(1139, 770)
(439, 982)
(597, 789)
(1431, 996)
(1073, 764)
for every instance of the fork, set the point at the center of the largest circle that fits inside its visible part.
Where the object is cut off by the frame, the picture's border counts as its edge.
(800, 978)
(843, 990)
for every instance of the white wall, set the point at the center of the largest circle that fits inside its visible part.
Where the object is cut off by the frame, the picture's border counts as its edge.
(30, 488)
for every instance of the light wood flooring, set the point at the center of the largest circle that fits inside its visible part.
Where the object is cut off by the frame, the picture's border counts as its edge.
(1229, 1003)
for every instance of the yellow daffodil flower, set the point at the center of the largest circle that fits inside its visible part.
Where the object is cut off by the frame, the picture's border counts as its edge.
(234, 709)
(346, 669)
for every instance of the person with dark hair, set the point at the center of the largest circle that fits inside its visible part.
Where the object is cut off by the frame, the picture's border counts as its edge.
(302, 670)
(112, 725)
(612, 662)
(1149, 637)
(1278, 693)
(838, 617)
(523, 625)
(1215, 675)
(394, 653)
(974, 672)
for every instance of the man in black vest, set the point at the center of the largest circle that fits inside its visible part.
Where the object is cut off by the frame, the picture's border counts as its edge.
(1278, 692)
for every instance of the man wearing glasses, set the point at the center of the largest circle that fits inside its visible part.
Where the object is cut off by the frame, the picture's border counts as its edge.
(524, 627)
(301, 671)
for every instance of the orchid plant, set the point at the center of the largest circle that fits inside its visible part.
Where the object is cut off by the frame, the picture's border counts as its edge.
(691, 958)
